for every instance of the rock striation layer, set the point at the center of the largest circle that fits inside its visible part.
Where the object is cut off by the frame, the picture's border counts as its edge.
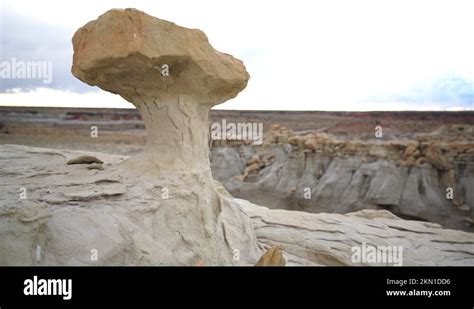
(52, 213)
(318, 172)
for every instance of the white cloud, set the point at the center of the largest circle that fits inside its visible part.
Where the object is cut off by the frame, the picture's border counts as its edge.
(304, 54)
(60, 98)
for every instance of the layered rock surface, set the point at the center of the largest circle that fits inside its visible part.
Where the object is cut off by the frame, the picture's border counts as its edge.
(52, 213)
(317, 172)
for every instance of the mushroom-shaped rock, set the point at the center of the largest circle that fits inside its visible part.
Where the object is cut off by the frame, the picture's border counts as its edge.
(173, 76)
(170, 73)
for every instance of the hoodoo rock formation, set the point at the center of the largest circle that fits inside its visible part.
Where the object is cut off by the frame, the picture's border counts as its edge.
(170, 73)
(173, 76)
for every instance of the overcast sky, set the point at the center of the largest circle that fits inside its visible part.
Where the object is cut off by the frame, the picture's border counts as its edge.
(301, 54)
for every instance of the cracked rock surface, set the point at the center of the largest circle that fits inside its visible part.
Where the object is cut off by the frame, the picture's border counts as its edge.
(327, 239)
(127, 220)
(69, 210)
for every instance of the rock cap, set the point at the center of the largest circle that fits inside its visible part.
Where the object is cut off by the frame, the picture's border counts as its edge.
(125, 51)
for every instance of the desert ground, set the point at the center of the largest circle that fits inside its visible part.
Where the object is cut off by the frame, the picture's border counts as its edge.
(122, 130)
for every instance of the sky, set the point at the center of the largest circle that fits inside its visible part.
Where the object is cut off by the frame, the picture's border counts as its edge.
(301, 54)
